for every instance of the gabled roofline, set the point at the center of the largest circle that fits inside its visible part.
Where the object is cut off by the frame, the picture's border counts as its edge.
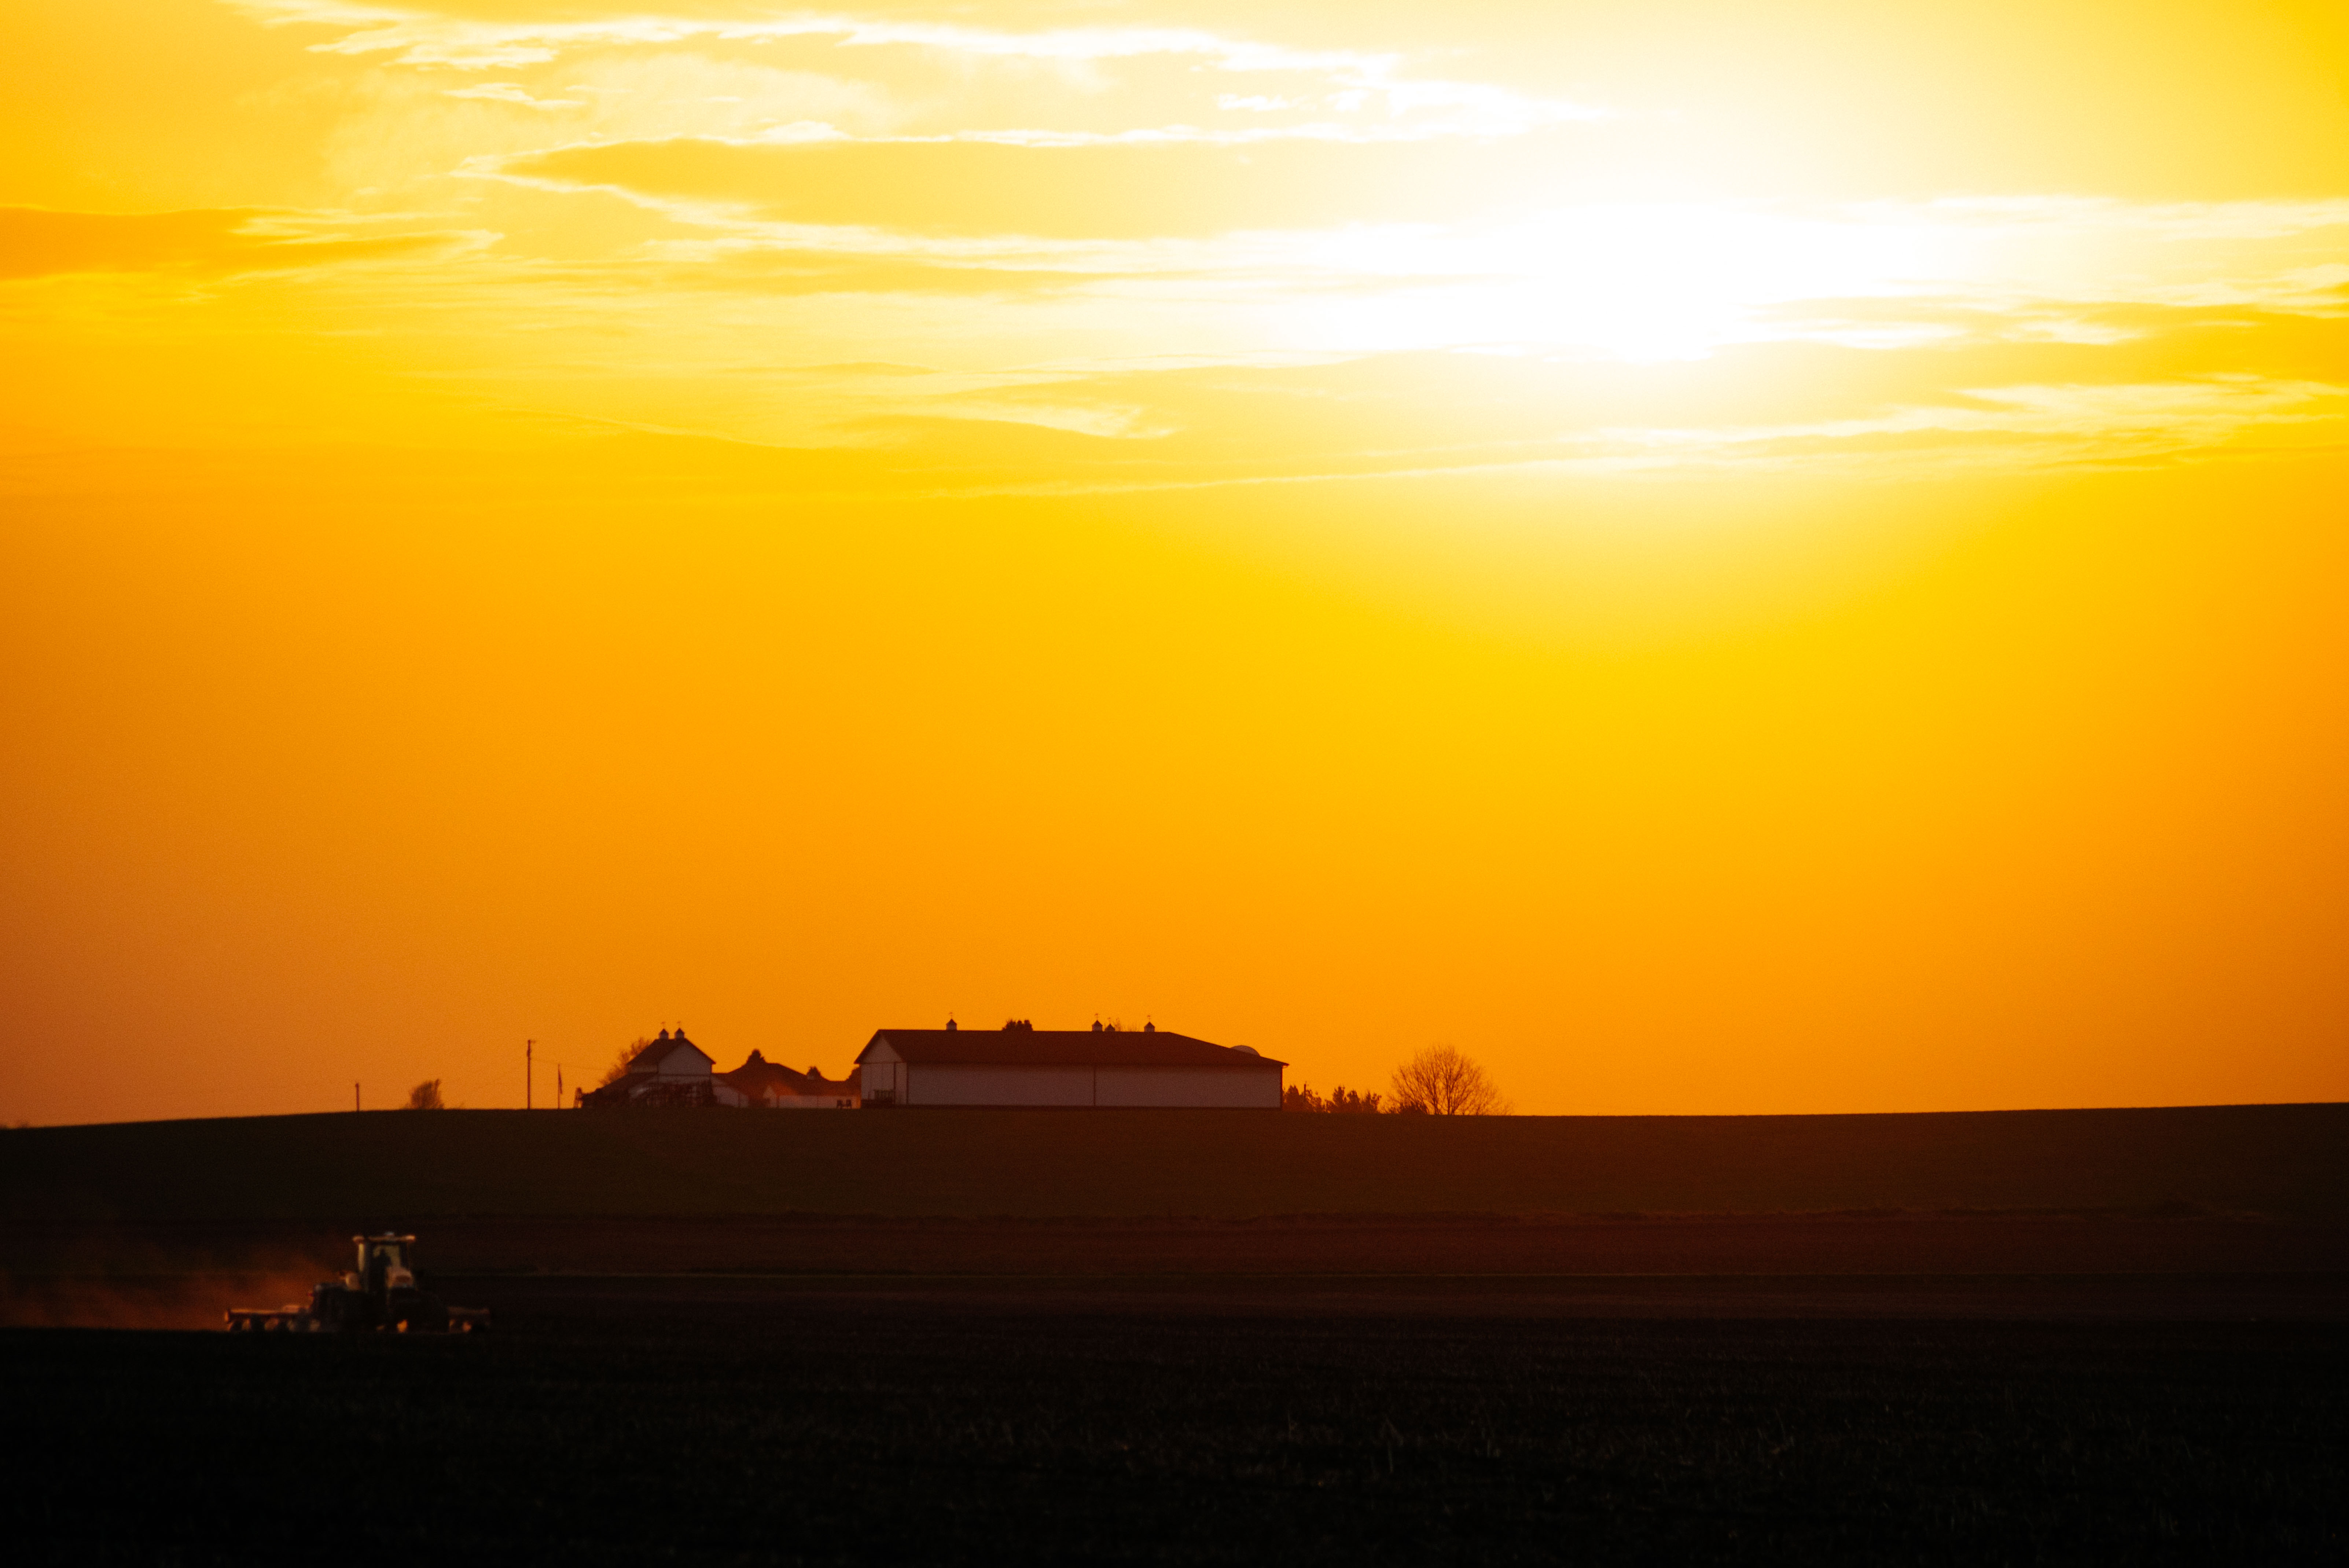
(654, 1053)
(1061, 1048)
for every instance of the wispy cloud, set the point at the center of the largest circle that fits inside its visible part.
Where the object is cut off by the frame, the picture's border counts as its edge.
(1361, 80)
(38, 242)
(1081, 187)
(512, 92)
(1873, 416)
(1323, 236)
(756, 268)
(2066, 426)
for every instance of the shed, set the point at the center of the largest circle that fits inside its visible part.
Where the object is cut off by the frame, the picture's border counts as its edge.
(1077, 1068)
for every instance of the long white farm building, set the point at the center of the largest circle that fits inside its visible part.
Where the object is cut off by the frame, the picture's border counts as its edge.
(1018, 1066)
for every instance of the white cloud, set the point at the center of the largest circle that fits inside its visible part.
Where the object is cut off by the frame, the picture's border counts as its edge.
(426, 40)
(511, 92)
(2027, 426)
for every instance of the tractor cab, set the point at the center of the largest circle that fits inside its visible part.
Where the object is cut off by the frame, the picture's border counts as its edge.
(385, 1264)
(382, 1292)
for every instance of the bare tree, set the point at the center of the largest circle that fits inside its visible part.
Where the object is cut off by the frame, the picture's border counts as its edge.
(1440, 1082)
(426, 1096)
(619, 1068)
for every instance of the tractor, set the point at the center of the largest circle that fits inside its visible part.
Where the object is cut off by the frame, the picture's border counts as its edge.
(382, 1294)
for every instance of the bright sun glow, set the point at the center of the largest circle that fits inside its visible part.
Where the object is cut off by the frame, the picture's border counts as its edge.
(1663, 281)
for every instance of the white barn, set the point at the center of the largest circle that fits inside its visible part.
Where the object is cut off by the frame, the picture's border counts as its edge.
(1063, 1067)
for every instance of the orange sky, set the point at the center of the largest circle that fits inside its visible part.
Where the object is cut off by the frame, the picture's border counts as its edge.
(1718, 557)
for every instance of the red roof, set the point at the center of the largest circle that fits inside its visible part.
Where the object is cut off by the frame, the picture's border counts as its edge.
(1064, 1048)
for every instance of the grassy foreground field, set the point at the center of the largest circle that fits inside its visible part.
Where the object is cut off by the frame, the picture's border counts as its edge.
(414, 1168)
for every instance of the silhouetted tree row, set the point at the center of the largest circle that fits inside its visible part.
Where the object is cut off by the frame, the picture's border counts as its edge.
(1339, 1101)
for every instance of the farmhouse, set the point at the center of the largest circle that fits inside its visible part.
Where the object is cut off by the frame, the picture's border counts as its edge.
(671, 1071)
(1020, 1065)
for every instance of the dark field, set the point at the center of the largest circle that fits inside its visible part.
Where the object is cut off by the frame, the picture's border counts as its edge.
(180, 1274)
(1194, 1337)
(2278, 1160)
(1315, 1421)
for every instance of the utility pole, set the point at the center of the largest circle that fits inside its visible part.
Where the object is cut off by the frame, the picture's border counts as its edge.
(354, 1098)
(558, 1086)
(529, 1075)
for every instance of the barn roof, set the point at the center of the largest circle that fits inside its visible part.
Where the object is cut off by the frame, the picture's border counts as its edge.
(1062, 1048)
(649, 1059)
(758, 1073)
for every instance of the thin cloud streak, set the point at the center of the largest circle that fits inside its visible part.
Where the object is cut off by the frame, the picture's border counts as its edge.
(426, 40)
(212, 242)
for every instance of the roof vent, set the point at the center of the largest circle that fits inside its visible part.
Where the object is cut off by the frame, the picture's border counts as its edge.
(1250, 1050)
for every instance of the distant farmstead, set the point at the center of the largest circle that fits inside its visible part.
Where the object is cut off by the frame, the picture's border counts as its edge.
(1017, 1066)
(1081, 1068)
(674, 1071)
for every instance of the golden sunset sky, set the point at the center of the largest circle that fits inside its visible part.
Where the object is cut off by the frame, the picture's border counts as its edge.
(1719, 557)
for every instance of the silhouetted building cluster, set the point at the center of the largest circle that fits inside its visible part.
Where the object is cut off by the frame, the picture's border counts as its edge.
(1017, 1066)
(674, 1071)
